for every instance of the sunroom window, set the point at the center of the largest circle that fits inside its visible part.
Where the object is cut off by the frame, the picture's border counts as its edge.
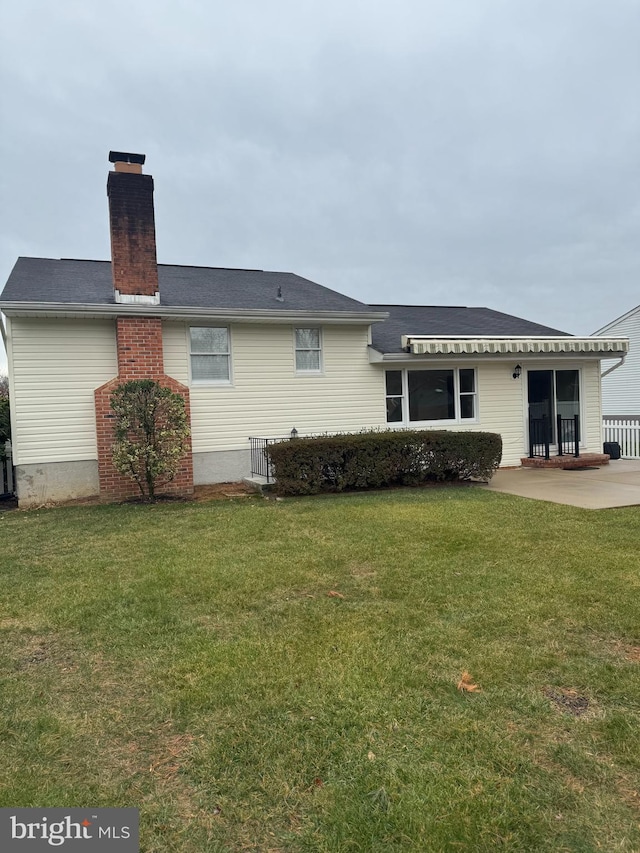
(418, 396)
(394, 396)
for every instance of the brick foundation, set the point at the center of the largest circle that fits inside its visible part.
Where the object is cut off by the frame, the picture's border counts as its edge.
(139, 347)
(587, 460)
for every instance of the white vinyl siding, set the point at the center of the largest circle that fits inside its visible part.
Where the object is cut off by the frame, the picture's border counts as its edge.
(56, 366)
(498, 407)
(591, 438)
(621, 388)
(501, 404)
(268, 397)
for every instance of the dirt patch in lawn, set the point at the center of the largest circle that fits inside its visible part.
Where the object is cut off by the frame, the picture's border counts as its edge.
(568, 700)
(627, 651)
(222, 491)
(32, 650)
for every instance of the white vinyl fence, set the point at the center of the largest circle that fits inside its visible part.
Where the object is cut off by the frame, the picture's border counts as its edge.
(626, 433)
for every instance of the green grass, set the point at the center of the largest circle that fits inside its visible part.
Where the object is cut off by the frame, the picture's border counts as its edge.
(186, 659)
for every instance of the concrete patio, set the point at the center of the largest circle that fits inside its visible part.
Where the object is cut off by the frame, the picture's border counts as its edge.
(613, 485)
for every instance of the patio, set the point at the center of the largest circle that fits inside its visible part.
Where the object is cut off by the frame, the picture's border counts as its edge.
(613, 485)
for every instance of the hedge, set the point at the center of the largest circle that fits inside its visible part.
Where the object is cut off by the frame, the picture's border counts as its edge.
(307, 466)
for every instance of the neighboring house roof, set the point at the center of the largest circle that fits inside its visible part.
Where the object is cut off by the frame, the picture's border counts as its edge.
(44, 281)
(627, 316)
(450, 321)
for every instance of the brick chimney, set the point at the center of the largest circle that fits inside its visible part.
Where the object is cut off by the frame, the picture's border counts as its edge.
(133, 231)
(138, 337)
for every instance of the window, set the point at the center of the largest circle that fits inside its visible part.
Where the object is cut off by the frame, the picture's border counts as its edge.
(467, 393)
(394, 396)
(210, 354)
(431, 395)
(308, 351)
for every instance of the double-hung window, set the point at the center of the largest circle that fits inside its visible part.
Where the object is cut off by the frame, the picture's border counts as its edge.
(308, 345)
(419, 396)
(210, 354)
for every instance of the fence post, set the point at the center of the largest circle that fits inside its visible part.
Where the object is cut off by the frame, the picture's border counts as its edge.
(560, 436)
(266, 458)
(546, 434)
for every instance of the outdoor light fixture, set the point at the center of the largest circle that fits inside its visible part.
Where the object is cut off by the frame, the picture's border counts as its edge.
(294, 433)
(517, 370)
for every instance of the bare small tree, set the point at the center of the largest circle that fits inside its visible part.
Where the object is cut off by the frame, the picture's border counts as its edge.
(151, 433)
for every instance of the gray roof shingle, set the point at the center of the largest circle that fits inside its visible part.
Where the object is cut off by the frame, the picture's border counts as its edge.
(66, 282)
(447, 320)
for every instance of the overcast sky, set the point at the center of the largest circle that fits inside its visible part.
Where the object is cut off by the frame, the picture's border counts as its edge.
(460, 152)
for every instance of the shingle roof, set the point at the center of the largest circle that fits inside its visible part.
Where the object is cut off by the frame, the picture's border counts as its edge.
(80, 282)
(66, 282)
(444, 320)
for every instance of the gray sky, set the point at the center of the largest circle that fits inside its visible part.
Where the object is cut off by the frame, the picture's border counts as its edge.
(460, 152)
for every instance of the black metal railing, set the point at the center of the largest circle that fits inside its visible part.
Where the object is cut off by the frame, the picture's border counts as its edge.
(568, 436)
(541, 436)
(260, 463)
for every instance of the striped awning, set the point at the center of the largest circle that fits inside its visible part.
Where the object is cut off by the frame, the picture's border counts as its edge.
(420, 345)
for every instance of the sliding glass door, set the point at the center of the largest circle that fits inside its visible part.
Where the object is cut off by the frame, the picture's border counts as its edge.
(552, 393)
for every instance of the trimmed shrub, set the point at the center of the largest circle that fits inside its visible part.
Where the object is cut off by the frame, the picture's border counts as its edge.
(150, 433)
(307, 466)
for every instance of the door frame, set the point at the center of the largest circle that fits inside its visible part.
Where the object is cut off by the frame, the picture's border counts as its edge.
(533, 366)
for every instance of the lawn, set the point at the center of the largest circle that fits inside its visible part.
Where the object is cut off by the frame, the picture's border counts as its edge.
(282, 675)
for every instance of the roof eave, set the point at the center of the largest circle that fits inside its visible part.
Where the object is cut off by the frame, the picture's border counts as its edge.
(266, 315)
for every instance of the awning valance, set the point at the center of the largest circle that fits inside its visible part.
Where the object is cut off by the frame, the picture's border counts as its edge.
(420, 345)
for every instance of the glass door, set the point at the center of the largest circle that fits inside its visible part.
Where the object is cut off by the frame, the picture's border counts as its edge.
(552, 393)
(541, 398)
(567, 393)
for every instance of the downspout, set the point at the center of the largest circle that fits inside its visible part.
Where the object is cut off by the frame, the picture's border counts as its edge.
(615, 366)
(3, 331)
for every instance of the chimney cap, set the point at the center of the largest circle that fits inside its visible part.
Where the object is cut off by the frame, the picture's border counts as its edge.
(122, 157)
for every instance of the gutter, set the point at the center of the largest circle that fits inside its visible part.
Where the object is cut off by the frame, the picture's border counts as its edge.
(255, 315)
(614, 367)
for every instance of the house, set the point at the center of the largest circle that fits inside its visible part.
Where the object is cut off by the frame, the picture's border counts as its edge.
(257, 353)
(621, 381)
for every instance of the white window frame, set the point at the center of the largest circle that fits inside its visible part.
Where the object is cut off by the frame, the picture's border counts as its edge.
(312, 371)
(215, 382)
(458, 394)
